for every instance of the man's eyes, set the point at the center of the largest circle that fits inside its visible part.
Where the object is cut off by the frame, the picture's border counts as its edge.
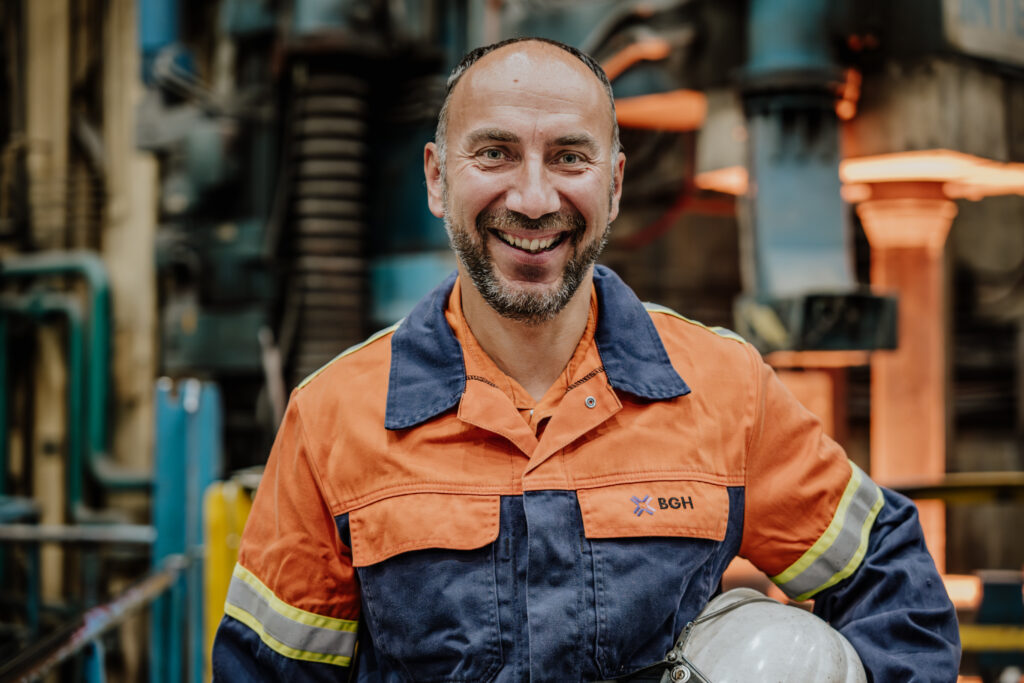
(496, 154)
(492, 154)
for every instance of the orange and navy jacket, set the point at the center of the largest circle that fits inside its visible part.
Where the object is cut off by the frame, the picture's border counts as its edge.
(407, 505)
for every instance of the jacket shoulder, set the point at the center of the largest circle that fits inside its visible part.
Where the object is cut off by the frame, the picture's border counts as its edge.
(367, 360)
(705, 356)
(674, 324)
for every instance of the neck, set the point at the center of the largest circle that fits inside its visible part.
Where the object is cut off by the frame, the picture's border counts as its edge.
(532, 354)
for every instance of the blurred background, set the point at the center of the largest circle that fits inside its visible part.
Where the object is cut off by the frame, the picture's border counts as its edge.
(203, 201)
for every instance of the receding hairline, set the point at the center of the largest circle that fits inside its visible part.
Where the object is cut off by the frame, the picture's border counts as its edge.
(522, 45)
(473, 57)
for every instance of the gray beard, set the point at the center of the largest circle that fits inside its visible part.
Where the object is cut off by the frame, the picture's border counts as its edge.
(525, 307)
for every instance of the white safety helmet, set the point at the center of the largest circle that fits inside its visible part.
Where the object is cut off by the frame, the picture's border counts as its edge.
(744, 636)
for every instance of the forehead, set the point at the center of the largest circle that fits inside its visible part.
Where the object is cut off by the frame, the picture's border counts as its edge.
(530, 84)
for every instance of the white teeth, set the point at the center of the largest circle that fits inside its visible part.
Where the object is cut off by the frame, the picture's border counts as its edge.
(527, 244)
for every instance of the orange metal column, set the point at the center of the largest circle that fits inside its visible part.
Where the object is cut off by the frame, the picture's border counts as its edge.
(907, 224)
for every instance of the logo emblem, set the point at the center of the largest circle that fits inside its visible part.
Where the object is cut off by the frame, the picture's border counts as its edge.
(642, 505)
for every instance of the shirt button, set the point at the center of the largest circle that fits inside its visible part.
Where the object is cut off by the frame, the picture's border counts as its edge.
(591, 401)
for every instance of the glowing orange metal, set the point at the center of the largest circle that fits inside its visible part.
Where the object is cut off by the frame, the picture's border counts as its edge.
(650, 50)
(729, 180)
(846, 106)
(963, 176)
(964, 590)
(678, 110)
(907, 226)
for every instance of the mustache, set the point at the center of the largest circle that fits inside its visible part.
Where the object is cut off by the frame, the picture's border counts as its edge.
(506, 220)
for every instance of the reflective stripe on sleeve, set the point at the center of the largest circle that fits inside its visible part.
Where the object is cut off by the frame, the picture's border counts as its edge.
(839, 551)
(289, 631)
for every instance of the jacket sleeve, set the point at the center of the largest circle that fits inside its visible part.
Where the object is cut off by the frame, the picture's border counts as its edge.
(293, 606)
(821, 529)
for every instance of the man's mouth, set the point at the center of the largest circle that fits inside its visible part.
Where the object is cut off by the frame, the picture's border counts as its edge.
(531, 246)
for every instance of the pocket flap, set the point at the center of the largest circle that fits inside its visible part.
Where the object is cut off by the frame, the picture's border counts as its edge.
(695, 509)
(417, 521)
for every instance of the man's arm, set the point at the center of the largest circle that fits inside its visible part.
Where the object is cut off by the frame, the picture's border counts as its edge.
(894, 608)
(822, 529)
(292, 608)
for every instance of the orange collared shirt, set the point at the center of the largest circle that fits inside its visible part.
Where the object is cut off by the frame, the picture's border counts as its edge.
(480, 366)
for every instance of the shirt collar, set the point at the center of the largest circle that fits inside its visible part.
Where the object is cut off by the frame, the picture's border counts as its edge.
(428, 374)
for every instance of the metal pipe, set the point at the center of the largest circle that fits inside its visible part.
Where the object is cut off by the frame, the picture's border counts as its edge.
(89, 267)
(40, 306)
(37, 661)
(796, 233)
(158, 27)
(129, 534)
(3, 409)
(788, 38)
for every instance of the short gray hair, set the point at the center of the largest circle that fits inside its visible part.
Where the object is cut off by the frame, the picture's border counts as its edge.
(472, 57)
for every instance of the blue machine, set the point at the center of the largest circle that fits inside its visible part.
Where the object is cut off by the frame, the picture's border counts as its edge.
(803, 293)
(188, 458)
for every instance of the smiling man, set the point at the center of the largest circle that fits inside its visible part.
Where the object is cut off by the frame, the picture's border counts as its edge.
(536, 477)
(526, 172)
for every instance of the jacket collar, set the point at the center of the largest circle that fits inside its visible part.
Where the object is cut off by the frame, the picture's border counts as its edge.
(428, 374)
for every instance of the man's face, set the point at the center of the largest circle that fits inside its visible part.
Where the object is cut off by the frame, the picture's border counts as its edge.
(530, 186)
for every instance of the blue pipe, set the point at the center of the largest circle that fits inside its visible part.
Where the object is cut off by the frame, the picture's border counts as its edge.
(798, 225)
(40, 305)
(3, 406)
(89, 267)
(158, 25)
(787, 36)
(318, 16)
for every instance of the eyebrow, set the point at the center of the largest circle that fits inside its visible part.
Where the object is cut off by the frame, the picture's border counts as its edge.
(491, 135)
(484, 135)
(581, 140)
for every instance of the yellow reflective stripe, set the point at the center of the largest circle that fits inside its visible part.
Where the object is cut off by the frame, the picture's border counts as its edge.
(720, 331)
(293, 613)
(827, 538)
(352, 349)
(859, 485)
(855, 561)
(279, 647)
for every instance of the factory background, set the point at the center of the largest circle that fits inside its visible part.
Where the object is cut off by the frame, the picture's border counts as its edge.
(202, 202)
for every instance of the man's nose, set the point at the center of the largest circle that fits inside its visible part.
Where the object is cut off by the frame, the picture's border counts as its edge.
(532, 193)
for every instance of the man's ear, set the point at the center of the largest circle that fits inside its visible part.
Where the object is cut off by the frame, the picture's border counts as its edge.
(432, 172)
(618, 169)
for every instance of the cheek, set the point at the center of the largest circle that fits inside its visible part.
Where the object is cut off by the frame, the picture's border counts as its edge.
(591, 198)
(473, 196)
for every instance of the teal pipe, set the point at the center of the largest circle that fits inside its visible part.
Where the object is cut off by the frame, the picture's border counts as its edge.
(40, 306)
(88, 266)
(3, 408)
(786, 37)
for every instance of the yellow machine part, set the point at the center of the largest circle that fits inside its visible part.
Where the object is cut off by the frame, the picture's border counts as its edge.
(226, 506)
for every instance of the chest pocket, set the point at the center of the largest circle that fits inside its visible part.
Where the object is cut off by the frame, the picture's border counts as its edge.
(657, 553)
(426, 565)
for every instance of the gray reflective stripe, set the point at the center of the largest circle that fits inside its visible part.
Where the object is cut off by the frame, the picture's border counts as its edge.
(352, 349)
(294, 635)
(720, 331)
(842, 557)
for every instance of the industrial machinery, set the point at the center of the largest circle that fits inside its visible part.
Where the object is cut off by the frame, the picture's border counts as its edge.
(794, 170)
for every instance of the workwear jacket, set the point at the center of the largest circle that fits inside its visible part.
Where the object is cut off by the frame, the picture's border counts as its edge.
(416, 503)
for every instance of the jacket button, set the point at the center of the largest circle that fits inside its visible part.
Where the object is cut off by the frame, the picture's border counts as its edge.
(591, 401)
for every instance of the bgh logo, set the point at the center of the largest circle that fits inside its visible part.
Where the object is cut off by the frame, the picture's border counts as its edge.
(643, 505)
